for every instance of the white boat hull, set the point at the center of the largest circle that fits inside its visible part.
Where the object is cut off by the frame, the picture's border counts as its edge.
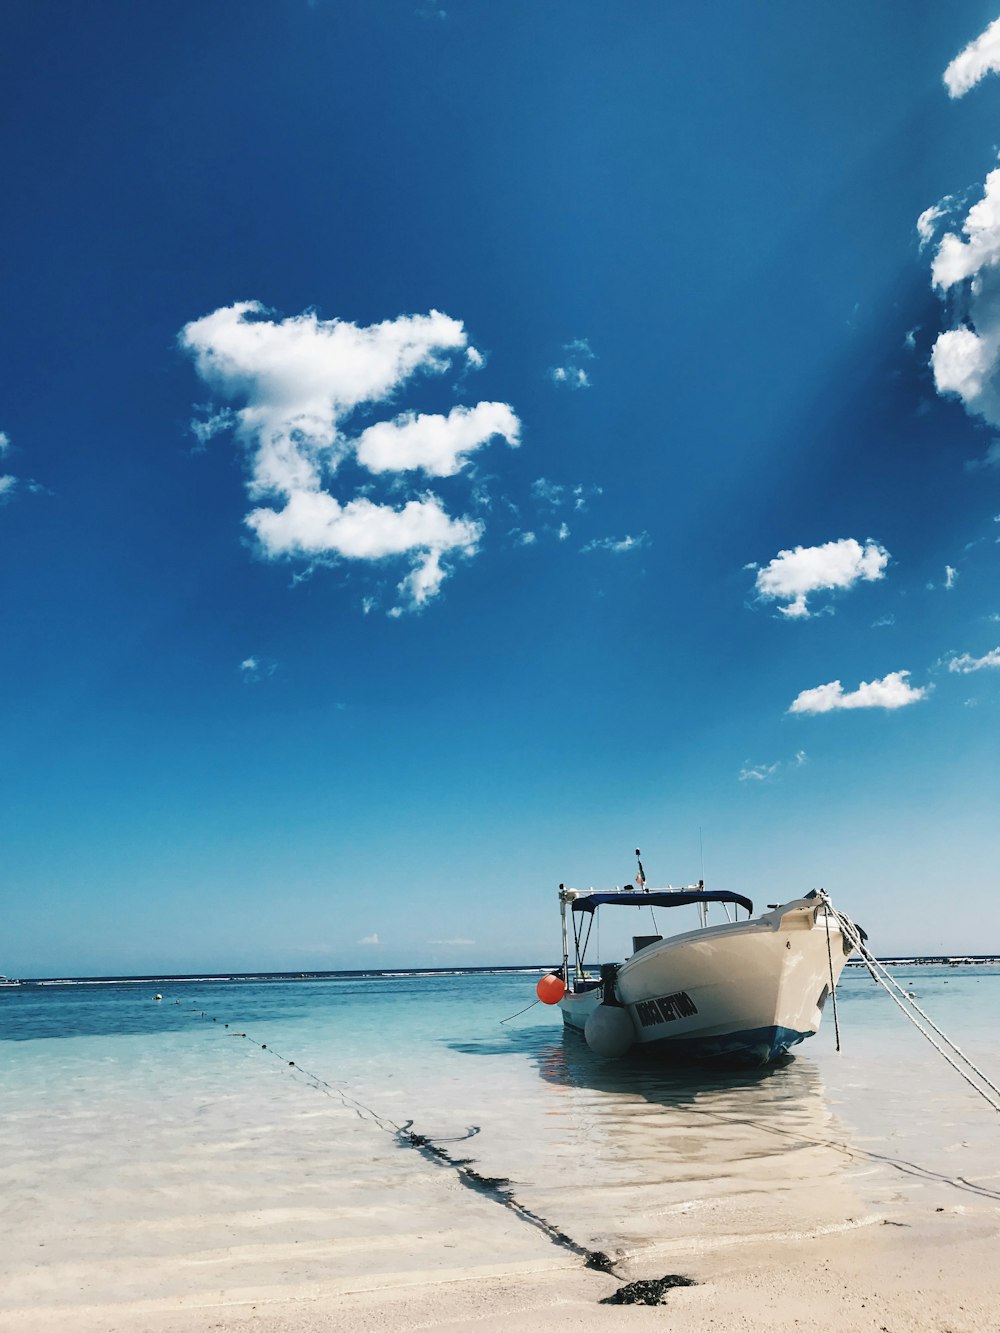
(744, 991)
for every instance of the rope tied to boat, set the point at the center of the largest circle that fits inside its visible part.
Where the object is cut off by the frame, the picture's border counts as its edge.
(833, 979)
(962, 1064)
(520, 1012)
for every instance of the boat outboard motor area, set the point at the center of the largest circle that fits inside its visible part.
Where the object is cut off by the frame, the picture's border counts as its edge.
(609, 1031)
(640, 942)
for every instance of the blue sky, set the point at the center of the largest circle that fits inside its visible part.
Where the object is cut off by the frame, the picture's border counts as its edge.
(447, 445)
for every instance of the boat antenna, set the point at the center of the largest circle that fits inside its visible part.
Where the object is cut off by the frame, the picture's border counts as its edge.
(701, 848)
(640, 878)
(703, 907)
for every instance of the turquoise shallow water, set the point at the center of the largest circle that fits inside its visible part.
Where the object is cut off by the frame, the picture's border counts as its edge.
(424, 1033)
(113, 1105)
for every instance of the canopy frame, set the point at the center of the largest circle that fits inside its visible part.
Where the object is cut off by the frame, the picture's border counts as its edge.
(590, 902)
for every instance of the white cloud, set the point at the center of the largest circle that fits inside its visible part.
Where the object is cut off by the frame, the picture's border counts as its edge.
(436, 444)
(950, 574)
(979, 58)
(300, 380)
(892, 691)
(792, 575)
(926, 221)
(618, 545)
(956, 259)
(964, 363)
(583, 494)
(313, 522)
(206, 428)
(256, 668)
(424, 580)
(965, 358)
(369, 939)
(966, 663)
(8, 482)
(547, 492)
(763, 772)
(526, 539)
(553, 495)
(302, 377)
(480, 493)
(572, 374)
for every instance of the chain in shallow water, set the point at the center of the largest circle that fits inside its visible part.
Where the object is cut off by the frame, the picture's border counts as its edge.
(493, 1187)
(330, 1090)
(906, 1004)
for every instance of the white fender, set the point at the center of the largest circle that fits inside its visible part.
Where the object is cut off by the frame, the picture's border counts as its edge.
(609, 1031)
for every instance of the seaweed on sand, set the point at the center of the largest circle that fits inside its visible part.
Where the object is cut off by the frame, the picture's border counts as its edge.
(647, 1291)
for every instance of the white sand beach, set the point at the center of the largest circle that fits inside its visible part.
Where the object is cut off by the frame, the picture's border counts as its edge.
(433, 1255)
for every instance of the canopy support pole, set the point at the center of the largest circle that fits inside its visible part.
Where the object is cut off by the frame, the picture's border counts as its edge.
(565, 937)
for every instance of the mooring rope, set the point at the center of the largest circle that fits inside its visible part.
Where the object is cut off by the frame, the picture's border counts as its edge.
(833, 979)
(520, 1011)
(909, 1008)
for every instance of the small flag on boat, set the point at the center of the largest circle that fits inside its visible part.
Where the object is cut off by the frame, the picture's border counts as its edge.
(640, 877)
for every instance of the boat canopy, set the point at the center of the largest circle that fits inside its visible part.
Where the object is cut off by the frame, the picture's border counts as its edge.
(589, 902)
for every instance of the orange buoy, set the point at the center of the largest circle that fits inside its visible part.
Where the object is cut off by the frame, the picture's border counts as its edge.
(551, 988)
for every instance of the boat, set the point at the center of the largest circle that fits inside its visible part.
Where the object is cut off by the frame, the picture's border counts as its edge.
(741, 991)
(9, 981)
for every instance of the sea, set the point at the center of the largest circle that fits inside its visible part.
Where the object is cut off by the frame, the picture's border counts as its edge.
(196, 1130)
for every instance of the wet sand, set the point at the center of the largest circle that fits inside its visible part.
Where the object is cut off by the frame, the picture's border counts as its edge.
(937, 1273)
(309, 1219)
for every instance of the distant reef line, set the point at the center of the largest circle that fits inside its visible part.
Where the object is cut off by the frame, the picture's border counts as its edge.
(391, 973)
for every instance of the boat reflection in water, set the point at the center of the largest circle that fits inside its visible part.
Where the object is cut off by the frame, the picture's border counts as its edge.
(634, 1156)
